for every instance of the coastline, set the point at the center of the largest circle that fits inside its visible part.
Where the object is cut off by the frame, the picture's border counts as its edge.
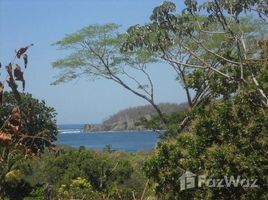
(111, 131)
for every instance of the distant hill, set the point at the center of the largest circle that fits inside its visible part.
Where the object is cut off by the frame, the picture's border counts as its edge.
(127, 118)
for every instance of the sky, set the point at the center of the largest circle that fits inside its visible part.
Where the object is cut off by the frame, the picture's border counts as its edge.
(43, 22)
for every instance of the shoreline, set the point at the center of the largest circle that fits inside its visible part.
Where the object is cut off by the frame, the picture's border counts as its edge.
(121, 131)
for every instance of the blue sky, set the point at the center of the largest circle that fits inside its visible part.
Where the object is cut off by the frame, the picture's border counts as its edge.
(45, 22)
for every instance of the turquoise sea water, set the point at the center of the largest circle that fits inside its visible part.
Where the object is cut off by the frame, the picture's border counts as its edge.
(123, 140)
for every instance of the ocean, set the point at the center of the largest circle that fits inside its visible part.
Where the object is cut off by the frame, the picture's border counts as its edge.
(131, 141)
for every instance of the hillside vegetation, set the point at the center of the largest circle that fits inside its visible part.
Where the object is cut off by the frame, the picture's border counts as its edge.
(127, 119)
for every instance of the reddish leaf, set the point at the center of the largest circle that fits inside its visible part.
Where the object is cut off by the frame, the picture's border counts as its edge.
(25, 58)
(22, 51)
(19, 75)
(1, 92)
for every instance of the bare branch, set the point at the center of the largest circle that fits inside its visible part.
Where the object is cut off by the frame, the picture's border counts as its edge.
(215, 54)
(260, 90)
(185, 64)
(137, 82)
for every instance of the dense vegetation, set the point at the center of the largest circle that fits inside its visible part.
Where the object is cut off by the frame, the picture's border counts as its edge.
(133, 118)
(81, 173)
(28, 128)
(218, 51)
(136, 113)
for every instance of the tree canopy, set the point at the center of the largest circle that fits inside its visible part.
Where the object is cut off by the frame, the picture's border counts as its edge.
(95, 52)
(27, 128)
(218, 51)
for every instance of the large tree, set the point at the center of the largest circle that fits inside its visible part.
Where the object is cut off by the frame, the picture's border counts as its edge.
(95, 53)
(221, 40)
(227, 133)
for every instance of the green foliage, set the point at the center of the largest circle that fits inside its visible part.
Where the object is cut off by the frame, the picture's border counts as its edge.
(79, 188)
(228, 137)
(91, 42)
(78, 173)
(39, 131)
(16, 190)
(96, 54)
(39, 120)
(227, 132)
(170, 129)
(108, 148)
(37, 193)
(216, 53)
(13, 176)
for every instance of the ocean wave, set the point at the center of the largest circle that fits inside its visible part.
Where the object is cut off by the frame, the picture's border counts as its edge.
(70, 131)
